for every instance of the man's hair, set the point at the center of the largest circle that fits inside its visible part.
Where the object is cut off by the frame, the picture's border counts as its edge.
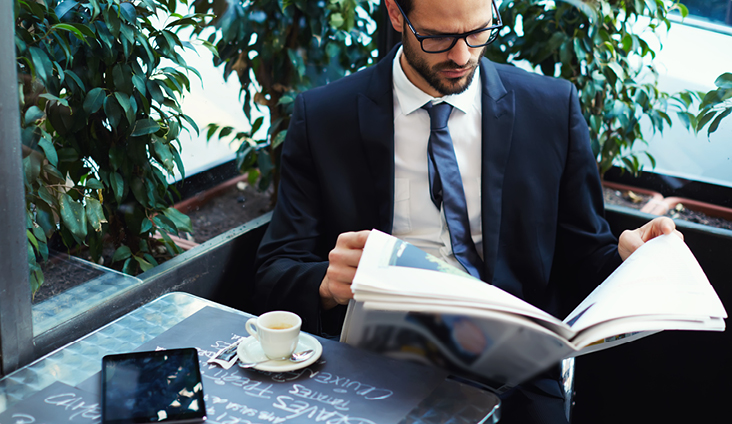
(406, 5)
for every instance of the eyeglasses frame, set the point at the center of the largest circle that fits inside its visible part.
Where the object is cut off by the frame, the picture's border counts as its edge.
(456, 37)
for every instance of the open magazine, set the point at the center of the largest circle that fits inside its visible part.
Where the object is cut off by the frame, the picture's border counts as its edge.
(408, 304)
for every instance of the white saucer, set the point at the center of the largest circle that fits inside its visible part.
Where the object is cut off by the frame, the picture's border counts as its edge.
(250, 350)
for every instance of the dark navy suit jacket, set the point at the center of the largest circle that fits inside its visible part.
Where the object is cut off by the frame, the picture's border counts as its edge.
(544, 235)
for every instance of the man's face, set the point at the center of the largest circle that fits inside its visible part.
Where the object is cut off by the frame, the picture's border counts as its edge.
(446, 77)
(449, 72)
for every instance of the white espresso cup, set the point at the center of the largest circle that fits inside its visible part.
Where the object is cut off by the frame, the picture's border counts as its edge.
(277, 333)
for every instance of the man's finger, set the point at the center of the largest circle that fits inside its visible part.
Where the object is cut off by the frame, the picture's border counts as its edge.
(656, 227)
(353, 240)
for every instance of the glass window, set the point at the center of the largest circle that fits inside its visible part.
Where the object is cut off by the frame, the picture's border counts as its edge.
(716, 11)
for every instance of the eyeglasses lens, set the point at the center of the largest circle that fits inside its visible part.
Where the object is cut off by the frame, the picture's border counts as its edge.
(438, 44)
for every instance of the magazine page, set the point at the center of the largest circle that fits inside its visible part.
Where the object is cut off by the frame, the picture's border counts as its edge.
(661, 279)
(419, 303)
(623, 330)
(613, 341)
(396, 268)
(498, 349)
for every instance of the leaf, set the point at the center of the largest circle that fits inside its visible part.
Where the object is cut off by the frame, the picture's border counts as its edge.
(163, 223)
(279, 139)
(124, 101)
(31, 167)
(32, 238)
(94, 100)
(49, 150)
(80, 84)
(182, 221)
(702, 120)
(715, 124)
(118, 185)
(113, 111)
(94, 183)
(148, 257)
(153, 87)
(122, 78)
(173, 248)
(42, 64)
(617, 70)
(72, 29)
(144, 265)
(139, 84)
(212, 48)
(178, 162)
(138, 190)
(285, 100)
(113, 22)
(724, 80)
(145, 126)
(683, 10)
(54, 99)
(64, 7)
(146, 226)
(73, 216)
(162, 151)
(128, 268)
(191, 122)
(122, 253)
(33, 114)
(127, 10)
(687, 119)
(95, 214)
(88, 32)
(336, 20)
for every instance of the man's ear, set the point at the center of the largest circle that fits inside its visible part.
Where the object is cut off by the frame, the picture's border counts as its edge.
(395, 16)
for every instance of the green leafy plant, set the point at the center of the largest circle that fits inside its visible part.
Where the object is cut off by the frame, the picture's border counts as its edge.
(277, 49)
(100, 84)
(699, 109)
(601, 47)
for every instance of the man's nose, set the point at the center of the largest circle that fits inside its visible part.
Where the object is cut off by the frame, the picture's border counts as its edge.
(460, 52)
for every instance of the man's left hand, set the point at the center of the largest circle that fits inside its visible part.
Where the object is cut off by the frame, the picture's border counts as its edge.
(630, 240)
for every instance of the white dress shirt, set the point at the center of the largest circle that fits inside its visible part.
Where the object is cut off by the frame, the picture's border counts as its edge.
(416, 219)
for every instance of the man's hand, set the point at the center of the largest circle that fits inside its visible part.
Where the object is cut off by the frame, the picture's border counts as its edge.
(630, 240)
(336, 286)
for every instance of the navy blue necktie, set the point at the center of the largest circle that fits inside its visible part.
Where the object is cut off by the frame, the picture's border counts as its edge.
(446, 187)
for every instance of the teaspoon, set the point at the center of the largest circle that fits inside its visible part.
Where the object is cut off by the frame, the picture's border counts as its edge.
(295, 357)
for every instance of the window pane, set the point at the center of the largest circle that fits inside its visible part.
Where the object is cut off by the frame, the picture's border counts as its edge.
(717, 11)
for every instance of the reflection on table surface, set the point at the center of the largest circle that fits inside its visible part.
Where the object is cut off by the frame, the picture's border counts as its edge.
(76, 362)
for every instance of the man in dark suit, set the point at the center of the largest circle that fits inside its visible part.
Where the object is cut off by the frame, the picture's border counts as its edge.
(355, 158)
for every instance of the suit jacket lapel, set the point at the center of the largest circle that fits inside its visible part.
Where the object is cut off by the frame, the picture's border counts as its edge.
(498, 116)
(376, 125)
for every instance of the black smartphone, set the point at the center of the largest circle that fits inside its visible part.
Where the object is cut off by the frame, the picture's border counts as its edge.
(155, 386)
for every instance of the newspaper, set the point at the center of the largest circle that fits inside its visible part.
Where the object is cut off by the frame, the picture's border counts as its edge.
(408, 304)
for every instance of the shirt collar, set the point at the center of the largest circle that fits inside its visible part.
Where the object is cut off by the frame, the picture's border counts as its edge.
(412, 98)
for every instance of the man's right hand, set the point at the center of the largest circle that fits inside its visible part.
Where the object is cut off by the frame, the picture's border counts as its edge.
(343, 261)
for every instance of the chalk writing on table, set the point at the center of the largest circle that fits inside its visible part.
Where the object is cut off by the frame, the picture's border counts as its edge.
(76, 405)
(304, 395)
(57, 403)
(344, 386)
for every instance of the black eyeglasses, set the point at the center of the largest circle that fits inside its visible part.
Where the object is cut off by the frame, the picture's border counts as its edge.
(444, 42)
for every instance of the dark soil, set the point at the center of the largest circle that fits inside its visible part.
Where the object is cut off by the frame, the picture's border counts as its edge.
(234, 207)
(637, 200)
(231, 209)
(625, 198)
(680, 212)
(61, 274)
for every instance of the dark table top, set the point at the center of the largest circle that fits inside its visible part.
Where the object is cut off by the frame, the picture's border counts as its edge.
(75, 363)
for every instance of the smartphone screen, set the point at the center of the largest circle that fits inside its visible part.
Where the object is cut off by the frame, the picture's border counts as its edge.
(157, 386)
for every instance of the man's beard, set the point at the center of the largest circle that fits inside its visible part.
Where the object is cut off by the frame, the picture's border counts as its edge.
(444, 86)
